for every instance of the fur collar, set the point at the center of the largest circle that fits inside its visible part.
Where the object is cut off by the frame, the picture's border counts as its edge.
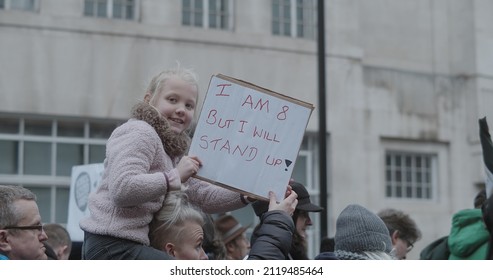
(175, 145)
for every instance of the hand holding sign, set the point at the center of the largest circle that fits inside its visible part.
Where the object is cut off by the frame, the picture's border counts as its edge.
(248, 137)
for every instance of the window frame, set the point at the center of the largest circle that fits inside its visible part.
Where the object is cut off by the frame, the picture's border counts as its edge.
(308, 26)
(412, 177)
(7, 5)
(206, 15)
(109, 11)
(53, 185)
(439, 151)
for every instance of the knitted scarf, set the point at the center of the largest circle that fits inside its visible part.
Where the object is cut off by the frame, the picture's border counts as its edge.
(175, 144)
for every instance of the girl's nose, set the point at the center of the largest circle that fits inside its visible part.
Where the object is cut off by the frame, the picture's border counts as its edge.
(180, 109)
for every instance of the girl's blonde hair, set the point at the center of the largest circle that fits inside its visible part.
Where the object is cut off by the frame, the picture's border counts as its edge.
(157, 82)
(169, 221)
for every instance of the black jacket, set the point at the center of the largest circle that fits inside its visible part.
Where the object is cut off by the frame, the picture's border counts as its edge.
(271, 240)
(437, 250)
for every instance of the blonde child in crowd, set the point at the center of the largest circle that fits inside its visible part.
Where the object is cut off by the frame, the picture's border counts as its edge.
(145, 159)
(177, 229)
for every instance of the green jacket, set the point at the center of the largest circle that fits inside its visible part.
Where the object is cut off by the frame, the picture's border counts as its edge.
(468, 239)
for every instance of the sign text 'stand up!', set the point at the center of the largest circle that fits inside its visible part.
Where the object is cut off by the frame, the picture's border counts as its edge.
(248, 137)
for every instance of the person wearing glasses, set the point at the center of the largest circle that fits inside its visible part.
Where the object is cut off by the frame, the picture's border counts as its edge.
(21, 231)
(402, 229)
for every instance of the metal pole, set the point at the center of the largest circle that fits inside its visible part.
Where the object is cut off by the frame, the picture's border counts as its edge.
(322, 125)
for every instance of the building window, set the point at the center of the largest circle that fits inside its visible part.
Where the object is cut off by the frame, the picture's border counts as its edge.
(120, 9)
(123, 9)
(294, 18)
(214, 14)
(95, 8)
(410, 175)
(21, 5)
(39, 152)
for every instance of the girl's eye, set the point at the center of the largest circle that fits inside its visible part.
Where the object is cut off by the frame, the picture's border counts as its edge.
(172, 100)
(190, 106)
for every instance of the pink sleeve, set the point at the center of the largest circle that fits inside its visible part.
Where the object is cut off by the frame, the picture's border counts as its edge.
(211, 198)
(173, 180)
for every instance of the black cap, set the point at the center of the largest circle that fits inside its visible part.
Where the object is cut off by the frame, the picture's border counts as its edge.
(304, 202)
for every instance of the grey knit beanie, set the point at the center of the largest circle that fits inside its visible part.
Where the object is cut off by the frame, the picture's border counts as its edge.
(359, 230)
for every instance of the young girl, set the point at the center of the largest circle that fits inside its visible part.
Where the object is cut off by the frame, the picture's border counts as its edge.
(145, 160)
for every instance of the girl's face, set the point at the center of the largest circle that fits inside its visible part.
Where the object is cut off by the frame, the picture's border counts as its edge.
(176, 102)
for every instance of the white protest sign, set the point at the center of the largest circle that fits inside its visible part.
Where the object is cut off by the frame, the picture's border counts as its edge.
(84, 180)
(248, 137)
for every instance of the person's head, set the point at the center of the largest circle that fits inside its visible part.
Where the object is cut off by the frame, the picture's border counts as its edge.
(59, 240)
(21, 231)
(402, 229)
(174, 94)
(177, 228)
(213, 244)
(361, 234)
(301, 219)
(327, 245)
(233, 236)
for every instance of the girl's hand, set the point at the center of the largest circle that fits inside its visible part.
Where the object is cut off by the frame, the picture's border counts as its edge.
(188, 166)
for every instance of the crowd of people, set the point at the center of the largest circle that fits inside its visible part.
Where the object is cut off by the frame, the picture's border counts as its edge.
(180, 229)
(149, 206)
